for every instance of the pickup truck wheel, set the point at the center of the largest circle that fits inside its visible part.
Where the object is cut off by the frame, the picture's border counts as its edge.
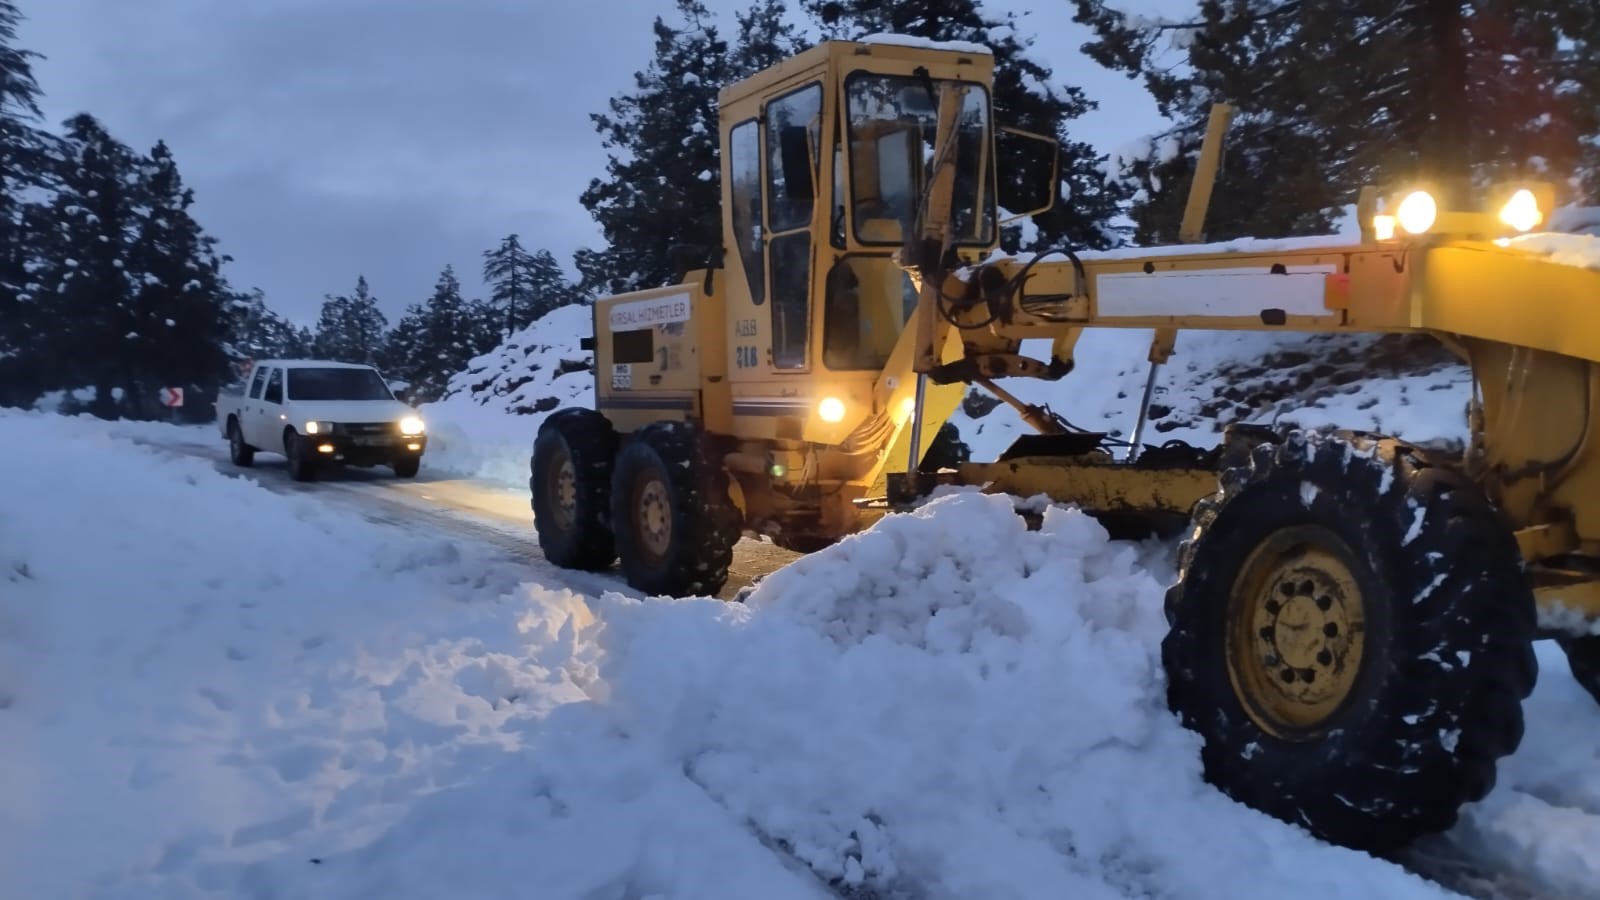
(570, 482)
(674, 523)
(302, 467)
(242, 454)
(407, 467)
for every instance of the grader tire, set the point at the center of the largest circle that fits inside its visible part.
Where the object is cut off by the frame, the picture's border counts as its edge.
(1583, 657)
(570, 481)
(674, 523)
(1352, 637)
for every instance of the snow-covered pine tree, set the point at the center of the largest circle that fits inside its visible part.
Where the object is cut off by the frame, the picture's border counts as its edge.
(403, 358)
(448, 338)
(179, 306)
(660, 188)
(524, 285)
(85, 305)
(22, 168)
(1026, 96)
(351, 328)
(1334, 94)
(766, 38)
(257, 332)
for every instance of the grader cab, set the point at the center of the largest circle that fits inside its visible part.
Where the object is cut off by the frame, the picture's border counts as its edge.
(1352, 623)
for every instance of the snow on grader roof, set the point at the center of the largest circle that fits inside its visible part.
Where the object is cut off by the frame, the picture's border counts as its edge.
(906, 40)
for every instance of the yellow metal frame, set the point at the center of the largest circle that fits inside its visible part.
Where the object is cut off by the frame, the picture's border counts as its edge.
(1528, 327)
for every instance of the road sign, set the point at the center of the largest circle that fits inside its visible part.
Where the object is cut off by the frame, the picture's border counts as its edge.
(172, 397)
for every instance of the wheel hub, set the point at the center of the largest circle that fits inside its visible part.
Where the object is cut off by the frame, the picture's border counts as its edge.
(653, 515)
(1296, 631)
(563, 486)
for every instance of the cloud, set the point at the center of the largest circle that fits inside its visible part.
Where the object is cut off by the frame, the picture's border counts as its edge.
(327, 138)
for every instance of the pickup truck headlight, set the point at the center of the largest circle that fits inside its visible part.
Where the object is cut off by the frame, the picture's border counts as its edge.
(411, 426)
(319, 428)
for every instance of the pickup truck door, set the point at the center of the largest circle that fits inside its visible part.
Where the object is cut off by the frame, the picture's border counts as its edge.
(248, 411)
(267, 421)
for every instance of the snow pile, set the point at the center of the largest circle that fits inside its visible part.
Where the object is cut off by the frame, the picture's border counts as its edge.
(485, 424)
(249, 695)
(945, 706)
(1578, 250)
(172, 642)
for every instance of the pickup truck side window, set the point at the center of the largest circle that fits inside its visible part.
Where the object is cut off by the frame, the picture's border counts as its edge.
(256, 384)
(274, 392)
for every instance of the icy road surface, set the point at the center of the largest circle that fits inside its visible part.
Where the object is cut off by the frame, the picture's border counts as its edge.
(441, 503)
(209, 688)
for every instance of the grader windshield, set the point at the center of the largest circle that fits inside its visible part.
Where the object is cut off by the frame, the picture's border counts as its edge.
(892, 122)
(891, 125)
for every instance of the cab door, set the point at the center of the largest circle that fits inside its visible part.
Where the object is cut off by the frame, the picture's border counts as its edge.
(792, 137)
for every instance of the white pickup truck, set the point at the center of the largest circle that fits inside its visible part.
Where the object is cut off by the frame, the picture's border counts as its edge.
(320, 414)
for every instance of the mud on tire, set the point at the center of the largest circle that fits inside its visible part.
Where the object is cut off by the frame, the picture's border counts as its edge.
(1436, 697)
(675, 526)
(571, 509)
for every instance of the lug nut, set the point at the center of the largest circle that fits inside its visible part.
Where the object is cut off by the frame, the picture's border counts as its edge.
(1288, 676)
(1273, 606)
(1331, 629)
(1271, 660)
(1324, 603)
(1307, 588)
(1324, 658)
(1308, 674)
(1266, 633)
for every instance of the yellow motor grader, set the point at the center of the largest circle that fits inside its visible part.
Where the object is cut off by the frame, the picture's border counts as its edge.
(1352, 623)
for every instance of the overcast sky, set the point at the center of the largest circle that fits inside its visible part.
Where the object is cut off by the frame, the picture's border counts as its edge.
(330, 138)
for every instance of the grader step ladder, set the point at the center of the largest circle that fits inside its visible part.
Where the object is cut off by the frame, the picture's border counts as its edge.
(1352, 623)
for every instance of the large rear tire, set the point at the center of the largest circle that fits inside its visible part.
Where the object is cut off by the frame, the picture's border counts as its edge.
(1352, 636)
(570, 481)
(674, 523)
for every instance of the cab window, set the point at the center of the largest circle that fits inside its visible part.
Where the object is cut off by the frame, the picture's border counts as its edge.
(744, 159)
(893, 121)
(256, 383)
(793, 134)
(274, 392)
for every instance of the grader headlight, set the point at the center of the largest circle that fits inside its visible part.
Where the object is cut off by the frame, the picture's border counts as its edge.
(831, 410)
(1417, 212)
(1521, 211)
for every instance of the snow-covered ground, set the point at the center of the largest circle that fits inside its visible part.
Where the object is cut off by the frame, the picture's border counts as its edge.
(210, 689)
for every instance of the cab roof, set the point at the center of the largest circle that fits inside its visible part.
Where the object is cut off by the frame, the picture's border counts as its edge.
(310, 364)
(881, 46)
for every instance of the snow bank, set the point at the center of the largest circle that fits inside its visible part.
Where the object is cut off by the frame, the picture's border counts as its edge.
(485, 424)
(945, 706)
(169, 641)
(249, 695)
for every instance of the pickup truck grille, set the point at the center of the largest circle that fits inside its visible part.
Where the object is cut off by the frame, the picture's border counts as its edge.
(365, 428)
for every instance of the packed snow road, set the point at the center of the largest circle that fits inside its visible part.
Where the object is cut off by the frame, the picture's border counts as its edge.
(208, 688)
(435, 502)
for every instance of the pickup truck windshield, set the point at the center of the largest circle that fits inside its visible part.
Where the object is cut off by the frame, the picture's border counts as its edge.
(337, 384)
